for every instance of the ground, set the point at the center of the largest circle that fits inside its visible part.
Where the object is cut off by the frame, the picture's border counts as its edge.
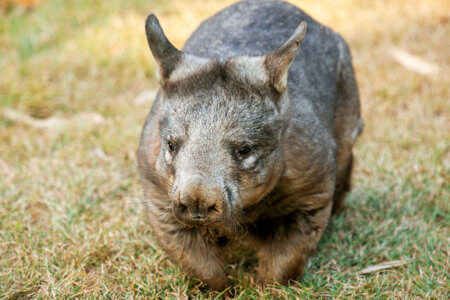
(71, 217)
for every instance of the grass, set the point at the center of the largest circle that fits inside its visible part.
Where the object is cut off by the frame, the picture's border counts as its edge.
(71, 225)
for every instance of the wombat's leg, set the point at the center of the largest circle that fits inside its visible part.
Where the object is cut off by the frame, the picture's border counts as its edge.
(193, 253)
(201, 258)
(284, 251)
(343, 186)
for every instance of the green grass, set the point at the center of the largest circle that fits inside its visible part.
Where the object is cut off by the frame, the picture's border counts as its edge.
(71, 222)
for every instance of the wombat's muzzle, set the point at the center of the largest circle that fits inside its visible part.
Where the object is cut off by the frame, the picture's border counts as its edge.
(198, 202)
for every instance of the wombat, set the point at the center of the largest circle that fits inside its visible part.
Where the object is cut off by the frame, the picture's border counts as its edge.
(249, 139)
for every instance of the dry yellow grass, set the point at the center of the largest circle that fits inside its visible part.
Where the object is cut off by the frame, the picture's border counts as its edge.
(71, 222)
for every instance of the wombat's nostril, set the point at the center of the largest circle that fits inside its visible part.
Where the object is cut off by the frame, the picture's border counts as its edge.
(213, 208)
(182, 207)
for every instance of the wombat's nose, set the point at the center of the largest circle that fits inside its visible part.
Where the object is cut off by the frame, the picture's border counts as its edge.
(199, 204)
(196, 209)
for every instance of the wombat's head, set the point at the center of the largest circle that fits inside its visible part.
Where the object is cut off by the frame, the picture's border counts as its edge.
(221, 127)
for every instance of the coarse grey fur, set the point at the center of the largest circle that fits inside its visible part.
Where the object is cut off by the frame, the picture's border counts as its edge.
(229, 147)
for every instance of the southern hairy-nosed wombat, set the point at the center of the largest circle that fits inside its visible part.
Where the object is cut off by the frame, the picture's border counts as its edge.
(248, 134)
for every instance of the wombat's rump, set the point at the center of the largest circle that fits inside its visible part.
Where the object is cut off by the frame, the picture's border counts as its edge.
(252, 130)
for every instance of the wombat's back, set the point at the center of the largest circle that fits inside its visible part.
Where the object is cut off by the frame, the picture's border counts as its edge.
(258, 27)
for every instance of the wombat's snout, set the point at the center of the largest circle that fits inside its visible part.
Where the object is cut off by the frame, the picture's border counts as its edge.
(199, 202)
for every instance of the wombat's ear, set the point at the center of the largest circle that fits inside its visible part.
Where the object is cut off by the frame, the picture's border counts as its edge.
(166, 55)
(271, 69)
(173, 64)
(278, 62)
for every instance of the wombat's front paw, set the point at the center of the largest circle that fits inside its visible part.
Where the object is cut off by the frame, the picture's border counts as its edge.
(277, 272)
(217, 282)
(264, 279)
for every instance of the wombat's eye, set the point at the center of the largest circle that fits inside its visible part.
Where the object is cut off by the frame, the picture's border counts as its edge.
(171, 146)
(245, 150)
